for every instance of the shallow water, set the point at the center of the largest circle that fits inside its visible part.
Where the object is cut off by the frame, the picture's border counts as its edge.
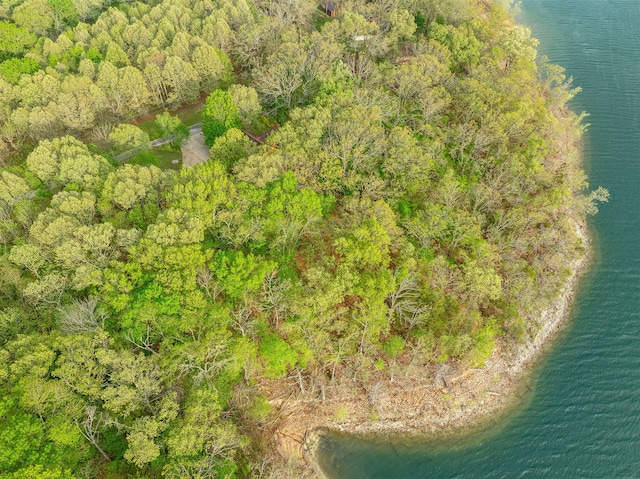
(582, 418)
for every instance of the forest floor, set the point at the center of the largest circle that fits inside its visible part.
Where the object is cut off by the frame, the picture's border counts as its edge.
(442, 400)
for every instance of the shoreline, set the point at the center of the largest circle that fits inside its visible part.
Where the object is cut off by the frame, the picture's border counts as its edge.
(440, 404)
(441, 401)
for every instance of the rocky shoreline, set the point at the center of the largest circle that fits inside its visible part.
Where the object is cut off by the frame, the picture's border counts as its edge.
(444, 401)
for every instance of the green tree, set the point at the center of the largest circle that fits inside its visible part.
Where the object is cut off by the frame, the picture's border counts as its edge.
(42, 472)
(247, 102)
(204, 191)
(88, 9)
(116, 55)
(128, 138)
(66, 160)
(394, 346)
(367, 245)
(79, 103)
(218, 116)
(239, 275)
(182, 81)
(142, 448)
(201, 432)
(231, 147)
(131, 195)
(172, 127)
(29, 256)
(13, 188)
(213, 66)
(278, 355)
(422, 85)
(14, 40)
(518, 44)
(24, 447)
(34, 16)
(291, 76)
(461, 41)
(63, 13)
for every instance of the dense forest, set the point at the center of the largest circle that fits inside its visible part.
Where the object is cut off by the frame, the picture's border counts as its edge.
(414, 200)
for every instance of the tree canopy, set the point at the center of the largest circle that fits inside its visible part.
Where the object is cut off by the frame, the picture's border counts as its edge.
(395, 185)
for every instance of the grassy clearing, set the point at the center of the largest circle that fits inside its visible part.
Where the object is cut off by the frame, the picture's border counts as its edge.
(189, 114)
(151, 128)
(162, 157)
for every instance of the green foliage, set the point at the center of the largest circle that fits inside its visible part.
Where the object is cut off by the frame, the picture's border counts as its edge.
(394, 346)
(218, 116)
(128, 138)
(202, 429)
(278, 355)
(203, 191)
(66, 161)
(172, 127)
(461, 42)
(231, 147)
(213, 66)
(239, 274)
(24, 448)
(260, 409)
(247, 102)
(116, 56)
(63, 12)
(151, 308)
(483, 348)
(409, 203)
(129, 187)
(41, 472)
(341, 414)
(34, 16)
(14, 40)
(14, 68)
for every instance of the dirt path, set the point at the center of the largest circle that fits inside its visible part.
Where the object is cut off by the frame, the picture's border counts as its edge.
(194, 150)
(193, 130)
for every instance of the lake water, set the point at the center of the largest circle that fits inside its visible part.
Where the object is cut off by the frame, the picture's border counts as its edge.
(582, 418)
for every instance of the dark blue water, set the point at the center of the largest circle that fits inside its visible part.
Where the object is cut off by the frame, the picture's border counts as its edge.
(582, 418)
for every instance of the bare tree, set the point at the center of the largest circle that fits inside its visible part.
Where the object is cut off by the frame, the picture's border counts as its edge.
(143, 343)
(90, 428)
(339, 352)
(274, 292)
(82, 316)
(375, 394)
(403, 302)
(204, 278)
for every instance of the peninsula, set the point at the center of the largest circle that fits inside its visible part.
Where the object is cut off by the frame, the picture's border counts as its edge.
(386, 231)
